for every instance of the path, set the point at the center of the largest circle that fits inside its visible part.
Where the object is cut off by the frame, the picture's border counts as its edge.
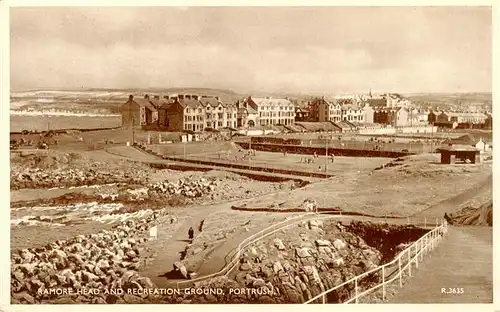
(169, 248)
(464, 259)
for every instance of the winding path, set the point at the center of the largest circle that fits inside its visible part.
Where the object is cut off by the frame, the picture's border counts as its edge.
(463, 259)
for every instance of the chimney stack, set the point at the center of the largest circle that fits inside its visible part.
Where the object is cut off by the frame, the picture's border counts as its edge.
(217, 98)
(146, 96)
(130, 97)
(157, 97)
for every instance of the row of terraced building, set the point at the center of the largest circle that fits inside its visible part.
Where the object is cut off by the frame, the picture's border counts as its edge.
(191, 112)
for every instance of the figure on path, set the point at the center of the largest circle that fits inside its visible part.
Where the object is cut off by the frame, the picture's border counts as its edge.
(200, 228)
(191, 233)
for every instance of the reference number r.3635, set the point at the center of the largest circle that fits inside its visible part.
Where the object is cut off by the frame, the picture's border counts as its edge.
(452, 291)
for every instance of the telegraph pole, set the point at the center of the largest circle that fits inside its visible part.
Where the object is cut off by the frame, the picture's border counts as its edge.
(326, 157)
(133, 131)
(432, 138)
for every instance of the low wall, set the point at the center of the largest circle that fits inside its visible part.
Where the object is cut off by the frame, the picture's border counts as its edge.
(421, 129)
(310, 150)
(238, 166)
(376, 131)
(253, 176)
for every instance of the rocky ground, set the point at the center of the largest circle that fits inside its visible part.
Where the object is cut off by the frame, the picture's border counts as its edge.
(52, 169)
(290, 267)
(84, 265)
(296, 265)
(475, 215)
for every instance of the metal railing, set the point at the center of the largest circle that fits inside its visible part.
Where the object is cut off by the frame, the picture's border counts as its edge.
(247, 242)
(393, 270)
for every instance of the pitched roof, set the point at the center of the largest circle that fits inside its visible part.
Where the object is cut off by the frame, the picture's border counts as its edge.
(211, 101)
(270, 101)
(166, 104)
(462, 114)
(471, 139)
(145, 103)
(249, 109)
(317, 126)
(459, 147)
(189, 103)
(350, 106)
(344, 125)
(156, 103)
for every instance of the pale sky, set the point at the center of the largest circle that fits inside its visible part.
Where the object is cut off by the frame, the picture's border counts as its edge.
(272, 49)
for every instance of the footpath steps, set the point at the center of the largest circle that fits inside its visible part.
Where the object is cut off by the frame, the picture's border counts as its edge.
(464, 259)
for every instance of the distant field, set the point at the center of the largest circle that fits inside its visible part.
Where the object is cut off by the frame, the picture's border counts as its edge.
(41, 123)
(221, 151)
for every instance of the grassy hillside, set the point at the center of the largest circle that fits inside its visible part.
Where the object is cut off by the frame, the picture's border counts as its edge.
(462, 101)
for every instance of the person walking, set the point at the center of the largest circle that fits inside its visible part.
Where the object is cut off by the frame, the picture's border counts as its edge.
(200, 228)
(191, 233)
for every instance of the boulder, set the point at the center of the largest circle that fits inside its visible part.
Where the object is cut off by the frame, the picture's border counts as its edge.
(179, 266)
(277, 267)
(24, 297)
(323, 242)
(302, 252)
(315, 223)
(278, 243)
(339, 244)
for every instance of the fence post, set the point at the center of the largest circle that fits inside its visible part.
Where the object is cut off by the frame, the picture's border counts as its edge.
(426, 248)
(400, 273)
(416, 254)
(435, 238)
(383, 283)
(356, 290)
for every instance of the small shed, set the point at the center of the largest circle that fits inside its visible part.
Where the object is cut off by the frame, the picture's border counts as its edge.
(460, 153)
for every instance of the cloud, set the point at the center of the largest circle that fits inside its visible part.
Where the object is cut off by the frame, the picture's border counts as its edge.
(288, 49)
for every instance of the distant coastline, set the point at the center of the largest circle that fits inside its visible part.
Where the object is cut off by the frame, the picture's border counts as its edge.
(56, 113)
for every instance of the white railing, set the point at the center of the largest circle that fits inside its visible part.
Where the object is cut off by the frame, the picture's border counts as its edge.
(393, 270)
(257, 237)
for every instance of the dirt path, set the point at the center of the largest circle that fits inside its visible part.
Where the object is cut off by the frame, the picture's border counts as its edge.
(169, 249)
(464, 259)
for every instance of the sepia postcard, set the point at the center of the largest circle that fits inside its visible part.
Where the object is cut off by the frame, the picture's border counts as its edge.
(250, 155)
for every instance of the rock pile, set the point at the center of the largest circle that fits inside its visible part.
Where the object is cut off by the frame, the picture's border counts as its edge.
(186, 187)
(38, 178)
(100, 262)
(291, 272)
(482, 215)
(309, 205)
